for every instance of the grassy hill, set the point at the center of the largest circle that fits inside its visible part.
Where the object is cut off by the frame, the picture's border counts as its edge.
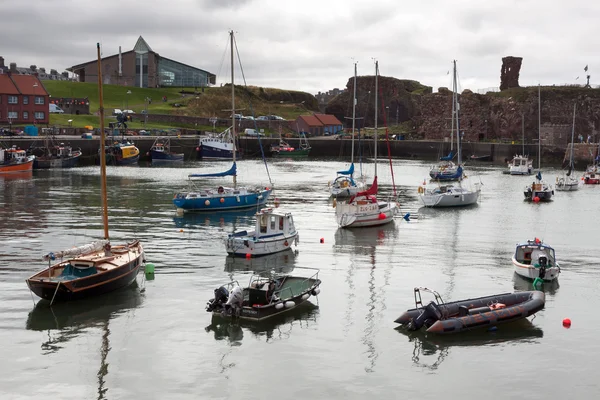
(212, 101)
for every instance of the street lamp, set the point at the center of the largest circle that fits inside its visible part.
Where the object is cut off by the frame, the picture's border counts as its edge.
(387, 121)
(127, 100)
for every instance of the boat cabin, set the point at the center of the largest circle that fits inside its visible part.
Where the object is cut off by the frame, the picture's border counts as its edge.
(271, 222)
(12, 156)
(530, 253)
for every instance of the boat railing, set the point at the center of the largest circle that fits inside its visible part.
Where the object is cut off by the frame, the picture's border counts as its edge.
(278, 294)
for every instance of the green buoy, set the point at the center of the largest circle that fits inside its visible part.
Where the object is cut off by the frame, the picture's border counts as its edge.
(537, 282)
(149, 269)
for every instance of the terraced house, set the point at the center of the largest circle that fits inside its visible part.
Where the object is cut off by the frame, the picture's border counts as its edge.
(23, 100)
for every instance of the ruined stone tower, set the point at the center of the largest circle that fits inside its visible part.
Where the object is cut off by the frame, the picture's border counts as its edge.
(509, 74)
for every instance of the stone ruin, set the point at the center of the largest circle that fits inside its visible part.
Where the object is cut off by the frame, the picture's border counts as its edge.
(509, 74)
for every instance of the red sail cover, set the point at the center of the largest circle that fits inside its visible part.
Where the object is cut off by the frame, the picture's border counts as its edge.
(372, 191)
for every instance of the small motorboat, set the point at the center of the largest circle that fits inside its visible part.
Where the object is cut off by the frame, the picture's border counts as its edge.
(15, 160)
(464, 315)
(264, 297)
(161, 154)
(535, 259)
(520, 165)
(274, 232)
(449, 195)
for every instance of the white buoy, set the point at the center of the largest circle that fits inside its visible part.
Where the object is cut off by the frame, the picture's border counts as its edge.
(278, 306)
(289, 304)
(305, 296)
(316, 291)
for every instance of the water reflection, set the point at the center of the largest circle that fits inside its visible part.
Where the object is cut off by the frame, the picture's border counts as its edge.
(523, 284)
(278, 327)
(233, 219)
(16, 176)
(282, 262)
(361, 241)
(431, 350)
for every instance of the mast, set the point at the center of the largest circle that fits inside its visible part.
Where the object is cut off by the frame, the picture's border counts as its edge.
(523, 132)
(539, 127)
(572, 137)
(457, 109)
(233, 108)
(102, 150)
(453, 113)
(353, 115)
(376, 111)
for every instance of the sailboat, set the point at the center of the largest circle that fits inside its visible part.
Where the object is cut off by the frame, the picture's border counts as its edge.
(94, 268)
(592, 172)
(539, 190)
(452, 195)
(521, 164)
(344, 184)
(568, 182)
(283, 148)
(364, 209)
(222, 198)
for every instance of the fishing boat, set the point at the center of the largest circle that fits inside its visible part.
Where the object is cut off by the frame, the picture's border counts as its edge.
(455, 194)
(568, 182)
(94, 268)
(122, 152)
(364, 209)
(218, 146)
(161, 154)
(534, 259)
(53, 155)
(539, 190)
(283, 149)
(274, 232)
(592, 172)
(265, 296)
(13, 160)
(464, 315)
(222, 198)
(344, 185)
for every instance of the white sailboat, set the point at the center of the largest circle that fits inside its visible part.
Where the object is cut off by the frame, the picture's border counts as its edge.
(344, 184)
(568, 182)
(364, 209)
(459, 193)
(539, 190)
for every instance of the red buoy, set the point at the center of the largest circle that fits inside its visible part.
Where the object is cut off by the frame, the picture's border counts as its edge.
(322, 240)
(567, 323)
(248, 256)
(536, 199)
(381, 216)
(197, 148)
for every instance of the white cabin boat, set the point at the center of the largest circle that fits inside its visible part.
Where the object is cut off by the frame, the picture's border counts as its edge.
(449, 195)
(534, 260)
(520, 165)
(274, 232)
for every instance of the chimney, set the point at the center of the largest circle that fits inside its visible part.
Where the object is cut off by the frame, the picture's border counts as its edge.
(53, 72)
(13, 67)
(1, 62)
(42, 70)
(33, 67)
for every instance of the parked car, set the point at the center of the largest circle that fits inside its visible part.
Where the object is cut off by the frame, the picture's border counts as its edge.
(54, 109)
(128, 112)
(262, 118)
(117, 111)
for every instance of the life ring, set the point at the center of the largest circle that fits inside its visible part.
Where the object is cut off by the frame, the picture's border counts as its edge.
(285, 243)
(421, 190)
(344, 184)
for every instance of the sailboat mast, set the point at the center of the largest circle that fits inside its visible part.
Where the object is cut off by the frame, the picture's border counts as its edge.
(376, 111)
(457, 110)
(102, 150)
(523, 132)
(353, 114)
(572, 137)
(539, 127)
(233, 107)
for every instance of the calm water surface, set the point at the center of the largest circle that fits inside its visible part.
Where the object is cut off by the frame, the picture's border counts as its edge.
(155, 340)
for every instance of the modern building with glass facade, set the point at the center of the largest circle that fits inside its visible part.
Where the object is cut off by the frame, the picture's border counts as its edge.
(142, 67)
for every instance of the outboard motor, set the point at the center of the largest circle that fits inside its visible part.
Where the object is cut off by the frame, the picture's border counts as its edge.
(221, 296)
(430, 314)
(543, 262)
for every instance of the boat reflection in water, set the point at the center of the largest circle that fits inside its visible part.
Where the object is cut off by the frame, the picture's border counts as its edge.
(16, 176)
(431, 350)
(282, 262)
(523, 284)
(362, 241)
(220, 218)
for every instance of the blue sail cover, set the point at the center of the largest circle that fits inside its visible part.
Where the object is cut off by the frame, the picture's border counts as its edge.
(539, 176)
(231, 172)
(350, 170)
(449, 157)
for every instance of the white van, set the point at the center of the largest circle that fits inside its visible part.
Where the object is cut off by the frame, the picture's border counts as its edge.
(252, 132)
(54, 109)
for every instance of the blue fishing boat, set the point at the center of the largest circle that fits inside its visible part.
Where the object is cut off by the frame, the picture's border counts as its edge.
(218, 147)
(161, 154)
(218, 197)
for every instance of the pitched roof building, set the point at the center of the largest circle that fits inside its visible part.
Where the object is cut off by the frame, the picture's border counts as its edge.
(23, 100)
(317, 124)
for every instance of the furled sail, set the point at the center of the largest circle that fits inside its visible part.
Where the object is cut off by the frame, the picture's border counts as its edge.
(231, 172)
(77, 251)
(350, 171)
(449, 157)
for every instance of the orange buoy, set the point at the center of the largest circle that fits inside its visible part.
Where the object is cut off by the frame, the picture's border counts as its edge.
(207, 203)
(181, 230)
(536, 199)
(222, 200)
(567, 323)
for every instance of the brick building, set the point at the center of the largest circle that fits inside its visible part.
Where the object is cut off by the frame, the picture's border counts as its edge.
(23, 100)
(142, 67)
(317, 124)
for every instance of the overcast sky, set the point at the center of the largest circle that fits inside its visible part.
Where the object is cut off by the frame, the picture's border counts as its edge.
(311, 45)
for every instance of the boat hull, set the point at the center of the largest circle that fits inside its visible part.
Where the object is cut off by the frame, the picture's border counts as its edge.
(208, 152)
(221, 202)
(160, 157)
(531, 272)
(21, 167)
(466, 198)
(294, 153)
(364, 215)
(543, 195)
(92, 285)
(588, 180)
(518, 305)
(65, 162)
(120, 161)
(242, 246)
(567, 187)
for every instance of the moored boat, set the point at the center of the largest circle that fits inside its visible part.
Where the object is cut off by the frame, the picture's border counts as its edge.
(122, 153)
(161, 154)
(265, 296)
(534, 259)
(520, 165)
(15, 160)
(58, 156)
(464, 315)
(591, 175)
(274, 232)
(218, 147)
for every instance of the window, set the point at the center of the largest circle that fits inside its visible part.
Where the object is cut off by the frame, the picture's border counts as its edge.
(25, 115)
(272, 222)
(39, 100)
(13, 100)
(13, 115)
(39, 115)
(25, 99)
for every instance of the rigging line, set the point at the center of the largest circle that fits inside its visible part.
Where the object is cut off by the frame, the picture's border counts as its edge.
(223, 58)
(262, 150)
(387, 138)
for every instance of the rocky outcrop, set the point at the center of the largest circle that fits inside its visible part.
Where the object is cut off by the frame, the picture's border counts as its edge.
(398, 101)
(509, 74)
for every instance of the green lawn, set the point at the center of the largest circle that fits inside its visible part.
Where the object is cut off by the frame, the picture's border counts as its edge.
(80, 121)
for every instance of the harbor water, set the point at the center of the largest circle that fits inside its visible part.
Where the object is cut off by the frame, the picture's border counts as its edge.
(155, 340)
